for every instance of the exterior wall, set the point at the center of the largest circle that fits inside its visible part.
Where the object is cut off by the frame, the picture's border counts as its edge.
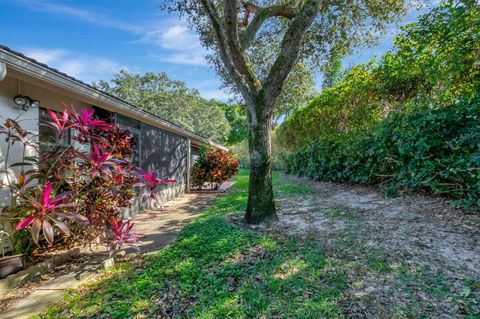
(165, 153)
(167, 150)
(28, 120)
(160, 150)
(164, 146)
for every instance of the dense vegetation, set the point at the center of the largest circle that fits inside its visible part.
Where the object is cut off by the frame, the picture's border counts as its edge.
(437, 150)
(171, 100)
(409, 119)
(216, 269)
(212, 168)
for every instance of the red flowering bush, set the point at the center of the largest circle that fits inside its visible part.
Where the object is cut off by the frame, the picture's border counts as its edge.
(213, 167)
(69, 192)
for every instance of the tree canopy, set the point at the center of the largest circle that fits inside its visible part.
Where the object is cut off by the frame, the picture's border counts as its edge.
(337, 28)
(419, 67)
(171, 100)
(257, 48)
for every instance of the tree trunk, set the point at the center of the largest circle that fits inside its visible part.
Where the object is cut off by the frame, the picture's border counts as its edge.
(261, 204)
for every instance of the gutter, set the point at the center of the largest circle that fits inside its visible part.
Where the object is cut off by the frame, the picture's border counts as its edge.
(45, 73)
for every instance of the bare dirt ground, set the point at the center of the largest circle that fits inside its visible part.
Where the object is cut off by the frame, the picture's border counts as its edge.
(429, 251)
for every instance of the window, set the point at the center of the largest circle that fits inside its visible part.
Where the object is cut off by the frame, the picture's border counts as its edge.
(48, 135)
(104, 115)
(134, 127)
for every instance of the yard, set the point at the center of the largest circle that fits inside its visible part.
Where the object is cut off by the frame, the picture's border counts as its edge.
(337, 252)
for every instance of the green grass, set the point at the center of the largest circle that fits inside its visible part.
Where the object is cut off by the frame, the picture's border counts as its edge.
(340, 213)
(215, 269)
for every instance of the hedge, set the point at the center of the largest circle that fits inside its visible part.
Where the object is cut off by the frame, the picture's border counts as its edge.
(430, 149)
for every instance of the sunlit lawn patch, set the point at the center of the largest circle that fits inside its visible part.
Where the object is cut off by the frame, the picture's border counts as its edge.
(216, 269)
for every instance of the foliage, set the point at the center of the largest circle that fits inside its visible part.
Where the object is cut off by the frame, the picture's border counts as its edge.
(441, 155)
(298, 89)
(406, 120)
(337, 29)
(237, 118)
(419, 67)
(350, 106)
(282, 43)
(332, 71)
(437, 56)
(241, 153)
(171, 100)
(215, 269)
(213, 167)
(65, 191)
(151, 180)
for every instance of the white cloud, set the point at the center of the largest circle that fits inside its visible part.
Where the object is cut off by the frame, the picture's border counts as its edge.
(171, 35)
(216, 94)
(182, 45)
(183, 58)
(82, 66)
(178, 36)
(45, 56)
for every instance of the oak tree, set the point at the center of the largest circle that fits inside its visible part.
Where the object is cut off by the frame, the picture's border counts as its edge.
(255, 46)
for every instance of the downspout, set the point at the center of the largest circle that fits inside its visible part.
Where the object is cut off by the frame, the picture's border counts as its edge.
(189, 164)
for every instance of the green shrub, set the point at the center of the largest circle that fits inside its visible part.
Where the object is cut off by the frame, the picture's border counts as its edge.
(435, 58)
(213, 167)
(429, 149)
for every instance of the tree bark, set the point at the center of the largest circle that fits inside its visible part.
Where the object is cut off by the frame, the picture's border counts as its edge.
(259, 95)
(261, 204)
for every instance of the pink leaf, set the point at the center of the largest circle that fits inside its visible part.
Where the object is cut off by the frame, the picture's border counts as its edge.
(48, 232)
(25, 223)
(54, 117)
(46, 193)
(35, 230)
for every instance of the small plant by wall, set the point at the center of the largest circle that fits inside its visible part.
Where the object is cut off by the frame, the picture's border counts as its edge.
(212, 168)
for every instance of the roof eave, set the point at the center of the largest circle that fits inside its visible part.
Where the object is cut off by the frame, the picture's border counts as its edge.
(47, 74)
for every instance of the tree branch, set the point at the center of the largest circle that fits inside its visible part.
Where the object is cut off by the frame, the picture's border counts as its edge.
(249, 8)
(261, 15)
(290, 49)
(221, 43)
(240, 61)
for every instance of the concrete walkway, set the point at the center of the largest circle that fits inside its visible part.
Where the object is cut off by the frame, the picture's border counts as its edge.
(160, 229)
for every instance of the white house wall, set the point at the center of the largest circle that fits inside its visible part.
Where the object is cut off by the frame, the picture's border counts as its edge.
(28, 121)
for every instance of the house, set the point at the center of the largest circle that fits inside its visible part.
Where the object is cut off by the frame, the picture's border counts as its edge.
(161, 145)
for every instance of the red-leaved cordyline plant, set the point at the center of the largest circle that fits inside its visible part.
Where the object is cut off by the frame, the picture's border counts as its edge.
(83, 195)
(123, 235)
(85, 122)
(213, 167)
(59, 123)
(101, 162)
(43, 213)
(151, 180)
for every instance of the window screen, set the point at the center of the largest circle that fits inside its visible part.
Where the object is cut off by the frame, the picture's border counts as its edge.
(48, 135)
(134, 127)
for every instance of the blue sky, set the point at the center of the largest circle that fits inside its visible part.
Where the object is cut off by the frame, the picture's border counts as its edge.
(92, 40)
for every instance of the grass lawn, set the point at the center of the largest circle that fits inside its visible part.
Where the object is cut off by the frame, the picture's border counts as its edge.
(218, 270)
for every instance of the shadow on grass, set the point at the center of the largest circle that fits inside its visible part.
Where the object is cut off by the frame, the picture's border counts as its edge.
(215, 269)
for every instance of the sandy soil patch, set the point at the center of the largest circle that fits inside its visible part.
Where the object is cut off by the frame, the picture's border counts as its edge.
(432, 250)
